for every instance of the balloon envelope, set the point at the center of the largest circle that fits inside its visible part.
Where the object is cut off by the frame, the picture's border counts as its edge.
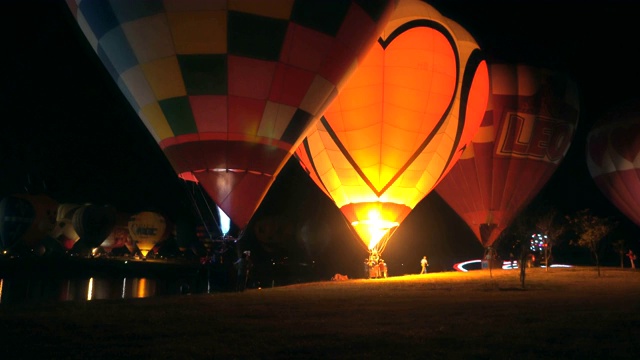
(415, 99)
(527, 129)
(26, 219)
(147, 229)
(228, 88)
(613, 158)
(94, 223)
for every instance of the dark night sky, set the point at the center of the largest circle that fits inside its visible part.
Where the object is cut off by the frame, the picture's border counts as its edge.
(65, 124)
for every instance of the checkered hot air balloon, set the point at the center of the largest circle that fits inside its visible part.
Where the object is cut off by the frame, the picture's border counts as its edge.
(229, 88)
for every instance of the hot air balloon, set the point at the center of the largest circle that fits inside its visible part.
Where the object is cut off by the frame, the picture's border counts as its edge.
(93, 223)
(26, 219)
(228, 88)
(613, 149)
(415, 100)
(147, 229)
(528, 127)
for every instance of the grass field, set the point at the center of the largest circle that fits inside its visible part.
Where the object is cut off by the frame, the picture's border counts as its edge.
(560, 314)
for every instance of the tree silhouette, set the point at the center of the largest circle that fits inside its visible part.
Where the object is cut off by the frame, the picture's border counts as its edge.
(551, 224)
(591, 230)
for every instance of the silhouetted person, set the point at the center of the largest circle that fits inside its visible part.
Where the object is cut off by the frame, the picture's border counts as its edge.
(243, 266)
(632, 257)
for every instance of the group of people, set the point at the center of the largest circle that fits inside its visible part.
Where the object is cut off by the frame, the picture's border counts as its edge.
(375, 267)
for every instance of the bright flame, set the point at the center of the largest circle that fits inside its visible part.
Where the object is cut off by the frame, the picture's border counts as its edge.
(144, 252)
(375, 227)
(225, 222)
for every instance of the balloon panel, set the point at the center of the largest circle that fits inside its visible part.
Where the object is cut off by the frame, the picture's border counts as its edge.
(524, 135)
(218, 82)
(613, 158)
(395, 128)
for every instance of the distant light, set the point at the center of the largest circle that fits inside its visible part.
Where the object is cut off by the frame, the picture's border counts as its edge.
(90, 289)
(225, 222)
(461, 266)
(506, 265)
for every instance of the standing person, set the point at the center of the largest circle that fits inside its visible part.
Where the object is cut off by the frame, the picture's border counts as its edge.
(383, 268)
(424, 263)
(632, 257)
(243, 266)
(367, 270)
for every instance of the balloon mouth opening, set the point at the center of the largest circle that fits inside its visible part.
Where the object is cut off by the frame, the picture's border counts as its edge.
(376, 229)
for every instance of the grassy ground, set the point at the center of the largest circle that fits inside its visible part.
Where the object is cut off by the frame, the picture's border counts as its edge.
(560, 314)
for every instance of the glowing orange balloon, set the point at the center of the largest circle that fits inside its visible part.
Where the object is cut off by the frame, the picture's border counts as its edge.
(413, 103)
(229, 88)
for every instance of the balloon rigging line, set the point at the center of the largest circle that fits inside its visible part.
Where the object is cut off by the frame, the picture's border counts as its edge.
(197, 208)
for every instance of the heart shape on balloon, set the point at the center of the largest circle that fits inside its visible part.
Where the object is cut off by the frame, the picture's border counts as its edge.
(395, 103)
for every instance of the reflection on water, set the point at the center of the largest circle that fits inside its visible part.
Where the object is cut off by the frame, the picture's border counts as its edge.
(14, 291)
(41, 280)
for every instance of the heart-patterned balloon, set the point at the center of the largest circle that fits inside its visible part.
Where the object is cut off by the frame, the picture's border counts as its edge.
(400, 121)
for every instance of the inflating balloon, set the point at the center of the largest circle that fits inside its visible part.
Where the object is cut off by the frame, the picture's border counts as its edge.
(229, 88)
(415, 100)
(528, 127)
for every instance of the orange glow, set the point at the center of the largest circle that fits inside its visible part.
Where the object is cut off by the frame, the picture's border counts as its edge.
(415, 100)
(142, 290)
